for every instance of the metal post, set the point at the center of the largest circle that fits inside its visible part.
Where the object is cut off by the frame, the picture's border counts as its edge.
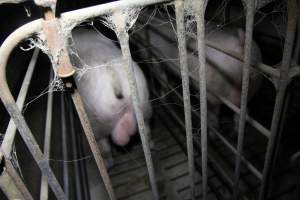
(200, 7)
(283, 82)
(11, 183)
(47, 139)
(11, 129)
(179, 6)
(250, 7)
(124, 42)
(74, 152)
(92, 142)
(64, 145)
(15, 113)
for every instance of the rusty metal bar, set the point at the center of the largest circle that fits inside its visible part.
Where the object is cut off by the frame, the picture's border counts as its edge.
(47, 139)
(92, 142)
(250, 10)
(179, 6)
(124, 42)
(199, 16)
(11, 183)
(11, 129)
(283, 83)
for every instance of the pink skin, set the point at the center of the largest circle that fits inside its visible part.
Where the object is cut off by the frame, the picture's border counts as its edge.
(124, 129)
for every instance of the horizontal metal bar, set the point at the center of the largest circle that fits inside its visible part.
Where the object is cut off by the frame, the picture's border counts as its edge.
(11, 129)
(77, 16)
(230, 105)
(269, 70)
(220, 169)
(11, 1)
(250, 166)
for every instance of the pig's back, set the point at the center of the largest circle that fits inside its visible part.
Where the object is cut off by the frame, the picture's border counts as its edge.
(103, 68)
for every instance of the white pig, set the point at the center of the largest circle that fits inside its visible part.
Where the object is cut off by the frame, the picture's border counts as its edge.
(105, 90)
(223, 72)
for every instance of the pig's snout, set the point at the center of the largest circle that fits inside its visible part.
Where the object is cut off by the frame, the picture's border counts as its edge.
(124, 129)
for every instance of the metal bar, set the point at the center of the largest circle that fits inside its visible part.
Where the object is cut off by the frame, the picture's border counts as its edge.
(215, 164)
(283, 82)
(124, 42)
(64, 145)
(231, 148)
(74, 152)
(269, 70)
(82, 166)
(11, 1)
(15, 113)
(250, 7)
(11, 183)
(179, 6)
(11, 129)
(297, 48)
(230, 105)
(77, 16)
(199, 16)
(251, 167)
(47, 139)
(92, 142)
(249, 119)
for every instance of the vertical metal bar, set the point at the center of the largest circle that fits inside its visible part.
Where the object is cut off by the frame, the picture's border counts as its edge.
(64, 145)
(250, 7)
(11, 183)
(74, 152)
(92, 142)
(15, 113)
(297, 49)
(79, 139)
(179, 6)
(283, 83)
(124, 42)
(199, 15)
(47, 139)
(11, 129)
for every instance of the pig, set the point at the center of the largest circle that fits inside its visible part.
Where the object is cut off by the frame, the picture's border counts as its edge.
(104, 88)
(223, 72)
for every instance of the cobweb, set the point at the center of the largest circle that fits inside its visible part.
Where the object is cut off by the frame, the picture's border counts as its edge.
(139, 20)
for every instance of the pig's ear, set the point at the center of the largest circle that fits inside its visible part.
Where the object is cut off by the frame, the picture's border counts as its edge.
(241, 35)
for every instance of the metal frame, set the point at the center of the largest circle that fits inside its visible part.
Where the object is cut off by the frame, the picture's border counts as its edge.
(56, 43)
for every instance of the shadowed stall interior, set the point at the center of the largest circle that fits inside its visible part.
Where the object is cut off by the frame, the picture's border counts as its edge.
(129, 174)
